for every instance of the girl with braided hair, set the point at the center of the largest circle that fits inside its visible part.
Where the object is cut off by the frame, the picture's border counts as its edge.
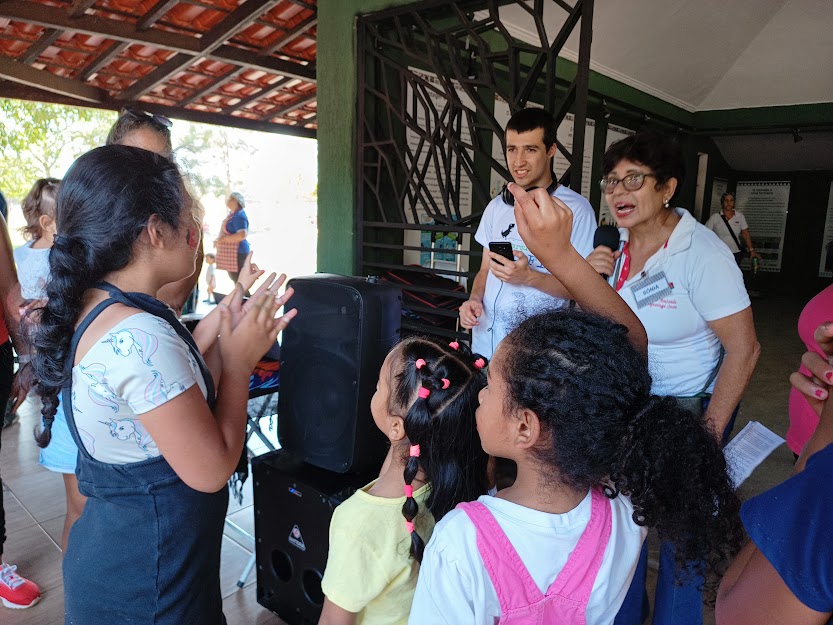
(424, 403)
(156, 444)
(599, 460)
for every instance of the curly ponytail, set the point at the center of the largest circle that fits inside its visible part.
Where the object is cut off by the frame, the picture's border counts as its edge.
(104, 203)
(674, 470)
(591, 392)
(436, 386)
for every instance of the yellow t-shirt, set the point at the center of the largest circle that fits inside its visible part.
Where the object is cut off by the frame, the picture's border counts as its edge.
(369, 567)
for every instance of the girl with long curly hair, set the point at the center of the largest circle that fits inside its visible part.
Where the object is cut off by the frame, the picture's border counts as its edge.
(600, 459)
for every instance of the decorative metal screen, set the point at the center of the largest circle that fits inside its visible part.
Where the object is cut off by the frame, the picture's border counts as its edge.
(430, 149)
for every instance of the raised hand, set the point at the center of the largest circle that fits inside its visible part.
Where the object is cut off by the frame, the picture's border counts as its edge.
(544, 222)
(249, 273)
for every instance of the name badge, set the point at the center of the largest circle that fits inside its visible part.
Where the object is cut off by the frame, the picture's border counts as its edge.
(651, 289)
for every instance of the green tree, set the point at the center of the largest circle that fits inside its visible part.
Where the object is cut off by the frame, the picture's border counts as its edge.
(39, 140)
(206, 153)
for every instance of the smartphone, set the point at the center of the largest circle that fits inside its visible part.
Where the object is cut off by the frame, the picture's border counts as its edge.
(503, 248)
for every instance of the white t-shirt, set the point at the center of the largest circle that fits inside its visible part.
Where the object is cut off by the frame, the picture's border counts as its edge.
(454, 587)
(506, 305)
(32, 270)
(706, 285)
(718, 226)
(138, 365)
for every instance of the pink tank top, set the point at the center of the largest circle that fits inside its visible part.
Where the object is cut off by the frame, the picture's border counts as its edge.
(521, 602)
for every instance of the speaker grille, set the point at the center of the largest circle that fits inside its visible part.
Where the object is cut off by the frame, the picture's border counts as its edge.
(331, 355)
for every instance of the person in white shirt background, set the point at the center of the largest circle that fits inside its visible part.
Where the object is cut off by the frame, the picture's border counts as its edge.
(504, 293)
(717, 223)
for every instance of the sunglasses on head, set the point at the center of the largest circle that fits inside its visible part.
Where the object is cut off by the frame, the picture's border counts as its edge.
(144, 115)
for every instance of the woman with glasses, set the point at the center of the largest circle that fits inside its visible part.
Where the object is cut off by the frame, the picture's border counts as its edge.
(141, 129)
(685, 287)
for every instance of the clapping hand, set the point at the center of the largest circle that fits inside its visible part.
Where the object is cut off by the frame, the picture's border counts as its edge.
(245, 342)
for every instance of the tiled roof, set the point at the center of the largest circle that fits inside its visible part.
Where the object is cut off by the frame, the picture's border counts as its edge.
(248, 63)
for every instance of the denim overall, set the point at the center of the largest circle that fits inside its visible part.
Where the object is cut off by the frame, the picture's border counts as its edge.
(146, 550)
(521, 602)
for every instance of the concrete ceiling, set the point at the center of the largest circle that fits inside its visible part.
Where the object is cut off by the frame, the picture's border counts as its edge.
(706, 54)
(778, 152)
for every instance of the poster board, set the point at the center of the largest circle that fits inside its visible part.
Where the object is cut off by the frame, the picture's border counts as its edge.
(560, 164)
(719, 187)
(614, 134)
(764, 203)
(826, 260)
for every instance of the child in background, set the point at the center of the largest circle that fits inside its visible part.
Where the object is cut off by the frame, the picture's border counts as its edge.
(32, 259)
(424, 403)
(210, 277)
(599, 460)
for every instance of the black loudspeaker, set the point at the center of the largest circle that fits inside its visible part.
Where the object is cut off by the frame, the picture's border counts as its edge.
(330, 359)
(294, 503)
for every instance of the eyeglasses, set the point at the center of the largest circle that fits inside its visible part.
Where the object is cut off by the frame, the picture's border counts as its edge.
(144, 115)
(631, 182)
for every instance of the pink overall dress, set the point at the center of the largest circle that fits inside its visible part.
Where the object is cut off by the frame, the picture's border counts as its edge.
(521, 602)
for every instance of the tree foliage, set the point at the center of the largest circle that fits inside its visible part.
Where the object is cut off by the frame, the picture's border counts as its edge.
(207, 154)
(39, 140)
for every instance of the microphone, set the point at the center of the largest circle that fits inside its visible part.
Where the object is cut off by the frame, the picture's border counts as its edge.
(607, 236)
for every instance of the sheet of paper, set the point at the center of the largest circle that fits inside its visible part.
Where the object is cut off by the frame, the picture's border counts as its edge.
(749, 449)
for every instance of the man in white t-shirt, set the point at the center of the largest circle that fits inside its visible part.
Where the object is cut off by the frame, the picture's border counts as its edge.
(737, 228)
(505, 292)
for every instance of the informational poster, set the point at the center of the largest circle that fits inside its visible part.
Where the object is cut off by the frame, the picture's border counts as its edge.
(561, 164)
(614, 134)
(719, 187)
(418, 109)
(764, 204)
(826, 261)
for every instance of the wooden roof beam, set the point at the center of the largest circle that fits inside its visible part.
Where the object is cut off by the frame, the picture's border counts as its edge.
(49, 36)
(41, 79)
(112, 51)
(213, 39)
(290, 35)
(79, 7)
(155, 13)
(291, 107)
(54, 17)
(196, 95)
(263, 93)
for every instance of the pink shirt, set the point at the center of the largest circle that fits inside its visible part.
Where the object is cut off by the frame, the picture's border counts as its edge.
(803, 420)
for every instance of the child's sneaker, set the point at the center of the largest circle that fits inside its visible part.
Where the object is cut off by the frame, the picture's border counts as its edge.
(16, 591)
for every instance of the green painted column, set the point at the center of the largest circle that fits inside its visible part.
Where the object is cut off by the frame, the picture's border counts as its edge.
(337, 93)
